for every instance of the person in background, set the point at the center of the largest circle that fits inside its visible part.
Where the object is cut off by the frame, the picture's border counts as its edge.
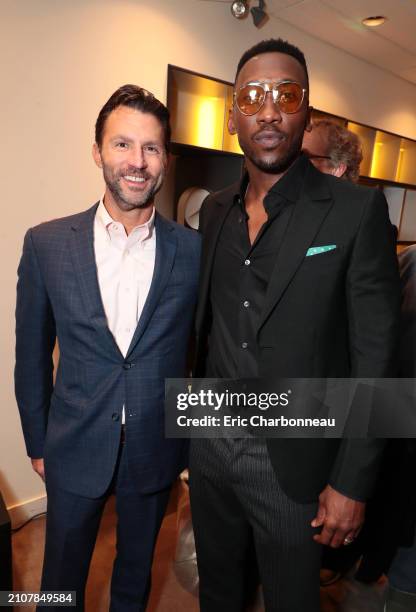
(333, 149)
(299, 280)
(116, 286)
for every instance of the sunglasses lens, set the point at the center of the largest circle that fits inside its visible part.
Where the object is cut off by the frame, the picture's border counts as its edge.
(290, 96)
(287, 96)
(250, 99)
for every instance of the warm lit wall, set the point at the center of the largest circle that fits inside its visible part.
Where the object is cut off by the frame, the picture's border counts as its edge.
(60, 62)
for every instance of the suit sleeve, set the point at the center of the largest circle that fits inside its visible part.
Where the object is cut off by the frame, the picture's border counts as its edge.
(373, 299)
(35, 340)
(373, 294)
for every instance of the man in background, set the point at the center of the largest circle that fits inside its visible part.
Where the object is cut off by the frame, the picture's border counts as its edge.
(299, 280)
(116, 286)
(333, 149)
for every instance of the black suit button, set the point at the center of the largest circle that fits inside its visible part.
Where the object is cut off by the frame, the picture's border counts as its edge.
(128, 365)
(115, 416)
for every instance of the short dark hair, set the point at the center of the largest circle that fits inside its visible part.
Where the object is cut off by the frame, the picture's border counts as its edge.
(343, 147)
(274, 45)
(140, 99)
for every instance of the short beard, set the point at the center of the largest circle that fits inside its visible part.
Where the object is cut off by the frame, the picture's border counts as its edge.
(274, 166)
(144, 199)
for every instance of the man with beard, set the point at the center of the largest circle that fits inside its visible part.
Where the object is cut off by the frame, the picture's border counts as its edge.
(116, 285)
(333, 149)
(299, 279)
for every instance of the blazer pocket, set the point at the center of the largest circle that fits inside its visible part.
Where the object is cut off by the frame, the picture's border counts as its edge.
(322, 258)
(60, 405)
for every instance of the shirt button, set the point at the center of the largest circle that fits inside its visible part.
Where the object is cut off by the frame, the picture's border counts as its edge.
(246, 304)
(244, 345)
(247, 262)
(115, 416)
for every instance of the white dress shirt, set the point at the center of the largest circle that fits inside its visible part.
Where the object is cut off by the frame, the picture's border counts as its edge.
(125, 266)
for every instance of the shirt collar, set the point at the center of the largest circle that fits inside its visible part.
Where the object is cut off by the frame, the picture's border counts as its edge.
(288, 187)
(138, 234)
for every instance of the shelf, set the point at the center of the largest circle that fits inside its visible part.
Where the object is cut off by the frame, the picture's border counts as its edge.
(406, 165)
(367, 137)
(385, 156)
(199, 111)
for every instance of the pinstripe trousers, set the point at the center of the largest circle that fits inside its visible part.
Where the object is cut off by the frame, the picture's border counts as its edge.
(244, 523)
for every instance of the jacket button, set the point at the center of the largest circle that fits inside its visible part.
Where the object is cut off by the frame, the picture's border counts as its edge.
(128, 365)
(115, 416)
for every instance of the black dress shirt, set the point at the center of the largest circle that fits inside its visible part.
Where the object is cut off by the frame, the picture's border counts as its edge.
(241, 274)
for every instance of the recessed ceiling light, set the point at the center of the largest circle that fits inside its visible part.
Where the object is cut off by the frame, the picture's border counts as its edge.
(375, 21)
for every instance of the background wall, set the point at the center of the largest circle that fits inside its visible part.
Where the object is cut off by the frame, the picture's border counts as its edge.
(62, 60)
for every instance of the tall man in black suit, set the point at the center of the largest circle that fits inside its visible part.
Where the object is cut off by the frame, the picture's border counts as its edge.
(299, 279)
(116, 285)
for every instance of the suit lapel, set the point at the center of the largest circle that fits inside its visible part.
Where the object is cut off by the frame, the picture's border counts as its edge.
(309, 213)
(166, 246)
(83, 260)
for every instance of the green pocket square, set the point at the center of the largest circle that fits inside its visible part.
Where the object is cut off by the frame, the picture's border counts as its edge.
(320, 249)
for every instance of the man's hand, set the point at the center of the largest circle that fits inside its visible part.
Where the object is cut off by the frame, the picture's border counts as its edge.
(339, 516)
(39, 468)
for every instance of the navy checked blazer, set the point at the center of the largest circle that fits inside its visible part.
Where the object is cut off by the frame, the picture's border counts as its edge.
(75, 423)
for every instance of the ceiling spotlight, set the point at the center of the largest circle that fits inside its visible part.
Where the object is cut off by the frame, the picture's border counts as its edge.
(258, 13)
(375, 21)
(239, 9)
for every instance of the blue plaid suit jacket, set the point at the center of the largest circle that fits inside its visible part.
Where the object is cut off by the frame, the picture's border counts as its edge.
(75, 423)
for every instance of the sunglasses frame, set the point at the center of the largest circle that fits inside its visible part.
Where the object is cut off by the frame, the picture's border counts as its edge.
(313, 156)
(273, 88)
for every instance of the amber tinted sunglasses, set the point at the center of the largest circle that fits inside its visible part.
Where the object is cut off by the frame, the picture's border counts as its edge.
(287, 96)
